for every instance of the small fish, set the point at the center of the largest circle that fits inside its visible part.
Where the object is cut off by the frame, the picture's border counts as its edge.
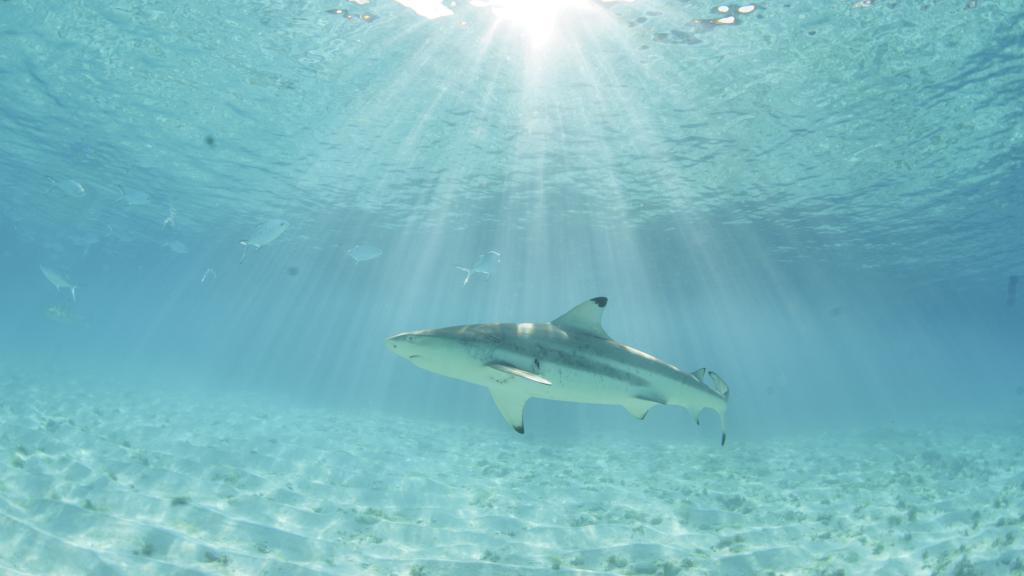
(61, 314)
(135, 197)
(72, 188)
(363, 252)
(169, 221)
(265, 234)
(486, 264)
(210, 274)
(58, 281)
(176, 246)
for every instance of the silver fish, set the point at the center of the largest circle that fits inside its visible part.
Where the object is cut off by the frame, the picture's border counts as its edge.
(363, 252)
(486, 264)
(265, 234)
(59, 281)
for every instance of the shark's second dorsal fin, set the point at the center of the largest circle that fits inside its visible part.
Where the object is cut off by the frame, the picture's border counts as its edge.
(585, 318)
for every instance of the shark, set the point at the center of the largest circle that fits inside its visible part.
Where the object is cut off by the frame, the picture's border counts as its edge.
(59, 281)
(571, 359)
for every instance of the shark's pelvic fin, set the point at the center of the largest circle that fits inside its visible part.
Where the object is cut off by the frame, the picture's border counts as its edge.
(511, 404)
(585, 318)
(638, 408)
(520, 373)
(699, 375)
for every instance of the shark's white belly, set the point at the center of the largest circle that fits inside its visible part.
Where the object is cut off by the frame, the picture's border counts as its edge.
(619, 376)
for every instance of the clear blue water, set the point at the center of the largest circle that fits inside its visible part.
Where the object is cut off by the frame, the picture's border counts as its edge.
(822, 202)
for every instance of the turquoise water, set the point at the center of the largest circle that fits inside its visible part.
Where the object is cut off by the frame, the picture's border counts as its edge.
(821, 201)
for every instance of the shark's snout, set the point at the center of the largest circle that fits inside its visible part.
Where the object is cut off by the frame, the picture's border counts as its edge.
(404, 345)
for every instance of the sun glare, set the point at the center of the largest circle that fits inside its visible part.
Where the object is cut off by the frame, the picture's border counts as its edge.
(538, 19)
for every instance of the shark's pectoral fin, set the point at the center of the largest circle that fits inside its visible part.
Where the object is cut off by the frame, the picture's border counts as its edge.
(511, 405)
(638, 408)
(537, 378)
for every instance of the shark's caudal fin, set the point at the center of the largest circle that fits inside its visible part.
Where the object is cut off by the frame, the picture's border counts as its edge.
(511, 404)
(719, 385)
(721, 415)
(468, 272)
(585, 318)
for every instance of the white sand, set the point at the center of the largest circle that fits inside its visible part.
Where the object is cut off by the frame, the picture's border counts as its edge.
(121, 483)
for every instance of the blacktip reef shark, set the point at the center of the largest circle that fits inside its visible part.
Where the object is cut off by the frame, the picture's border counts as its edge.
(571, 359)
(59, 281)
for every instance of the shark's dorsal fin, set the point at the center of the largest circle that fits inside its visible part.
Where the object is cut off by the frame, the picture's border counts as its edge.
(510, 404)
(585, 318)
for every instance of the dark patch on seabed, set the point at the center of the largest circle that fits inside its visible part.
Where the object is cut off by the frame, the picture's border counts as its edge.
(107, 482)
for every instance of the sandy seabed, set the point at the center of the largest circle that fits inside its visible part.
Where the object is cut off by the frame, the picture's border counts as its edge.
(115, 482)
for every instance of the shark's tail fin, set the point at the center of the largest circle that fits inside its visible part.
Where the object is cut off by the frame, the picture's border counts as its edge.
(721, 415)
(469, 273)
(719, 385)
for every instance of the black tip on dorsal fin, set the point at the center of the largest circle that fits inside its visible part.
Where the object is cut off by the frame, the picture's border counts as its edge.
(601, 301)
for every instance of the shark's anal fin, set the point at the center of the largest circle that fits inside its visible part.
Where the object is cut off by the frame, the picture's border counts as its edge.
(511, 404)
(638, 408)
(537, 378)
